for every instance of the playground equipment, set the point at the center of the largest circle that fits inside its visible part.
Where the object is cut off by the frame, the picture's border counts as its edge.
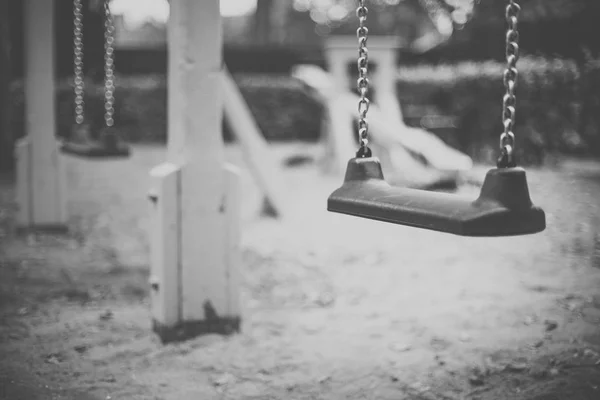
(196, 200)
(40, 174)
(82, 141)
(339, 52)
(195, 196)
(195, 213)
(417, 158)
(503, 208)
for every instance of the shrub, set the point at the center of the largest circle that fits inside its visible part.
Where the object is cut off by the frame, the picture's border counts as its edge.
(548, 104)
(591, 104)
(551, 110)
(282, 106)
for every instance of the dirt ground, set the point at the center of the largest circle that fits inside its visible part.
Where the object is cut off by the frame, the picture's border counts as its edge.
(335, 307)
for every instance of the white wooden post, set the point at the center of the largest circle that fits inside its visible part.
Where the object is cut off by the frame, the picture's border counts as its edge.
(339, 146)
(40, 172)
(384, 80)
(195, 245)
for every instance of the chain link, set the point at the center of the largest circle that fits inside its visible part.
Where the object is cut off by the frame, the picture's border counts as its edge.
(507, 139)
(109, 77)
(78, 61)
(362, 82)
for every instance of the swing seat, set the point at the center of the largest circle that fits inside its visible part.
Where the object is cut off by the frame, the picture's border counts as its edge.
(503, 208)
(107, 146)
(95, 150)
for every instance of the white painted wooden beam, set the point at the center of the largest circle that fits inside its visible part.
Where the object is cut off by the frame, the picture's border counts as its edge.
(255, 148)
(340, 146)
(165, 263)
(41, 193)
(196, 213)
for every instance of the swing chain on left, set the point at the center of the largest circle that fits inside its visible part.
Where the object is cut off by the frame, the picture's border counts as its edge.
(507, 139)
(109, 76)
(78, 61)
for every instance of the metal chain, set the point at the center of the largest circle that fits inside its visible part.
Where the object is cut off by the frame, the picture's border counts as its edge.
(109, 77)
(78, 61)
(362, 82)
(507, 139)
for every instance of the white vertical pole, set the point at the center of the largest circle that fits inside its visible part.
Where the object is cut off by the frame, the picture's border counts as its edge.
(40, 174)
(338, 66)
(340, 145)
(384, 80)
(205, 216)
(194, 96)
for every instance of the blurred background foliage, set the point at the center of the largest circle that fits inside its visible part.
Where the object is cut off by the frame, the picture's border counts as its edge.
(450, 65)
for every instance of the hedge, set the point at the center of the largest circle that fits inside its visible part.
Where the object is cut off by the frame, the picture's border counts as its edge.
(283, 107)
(551, 106)
(590, 123)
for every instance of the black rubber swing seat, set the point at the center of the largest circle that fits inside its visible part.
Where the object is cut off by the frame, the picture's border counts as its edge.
(95, 150)
(109, 145)
(503, 207)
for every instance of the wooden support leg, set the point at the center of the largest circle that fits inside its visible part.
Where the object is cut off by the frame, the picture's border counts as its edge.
(195, 241)
(165, 263)
(40, 174)
(191, 302)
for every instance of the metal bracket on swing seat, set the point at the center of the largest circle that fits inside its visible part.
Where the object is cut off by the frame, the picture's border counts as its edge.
(503, 207)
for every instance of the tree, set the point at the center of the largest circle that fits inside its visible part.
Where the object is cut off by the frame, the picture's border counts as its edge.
(271, 20)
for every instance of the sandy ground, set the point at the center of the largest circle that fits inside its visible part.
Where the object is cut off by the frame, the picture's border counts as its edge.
(335, 307)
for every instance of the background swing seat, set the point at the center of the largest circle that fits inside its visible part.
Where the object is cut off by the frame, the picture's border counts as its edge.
(95, 150)
(503, 208)
(82, 145)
